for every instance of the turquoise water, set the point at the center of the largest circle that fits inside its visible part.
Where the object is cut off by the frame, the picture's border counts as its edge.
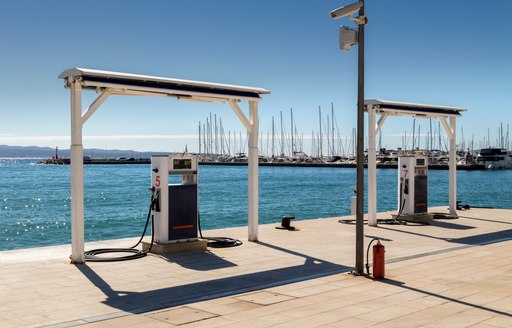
(35, 199)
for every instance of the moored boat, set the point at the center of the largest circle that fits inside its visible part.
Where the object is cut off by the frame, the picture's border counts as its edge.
(495, 158)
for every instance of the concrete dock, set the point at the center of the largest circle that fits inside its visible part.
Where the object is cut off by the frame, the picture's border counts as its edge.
(451, 273)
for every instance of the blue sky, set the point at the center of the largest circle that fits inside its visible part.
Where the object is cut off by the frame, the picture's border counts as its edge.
(454, 53)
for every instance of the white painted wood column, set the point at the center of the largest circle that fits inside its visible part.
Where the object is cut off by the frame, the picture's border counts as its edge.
(77, 176)
(253, 171)
(372, 170)
(453, 166)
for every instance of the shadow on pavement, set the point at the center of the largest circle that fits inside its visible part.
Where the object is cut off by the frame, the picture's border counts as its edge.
(140, 302)
(201, 261)
(447, 298)
(477, 239)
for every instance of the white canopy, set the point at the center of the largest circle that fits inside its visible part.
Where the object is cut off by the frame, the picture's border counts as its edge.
(411, 109)
(108, 83)
(135, 84)
(387, 108)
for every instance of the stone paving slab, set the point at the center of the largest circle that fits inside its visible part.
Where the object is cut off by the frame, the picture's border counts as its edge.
(449, 273)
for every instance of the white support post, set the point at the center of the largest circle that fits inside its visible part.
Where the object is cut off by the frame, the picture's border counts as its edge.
(77, 176)
(372, 170)
(451, 131)
(453, 166)
(253, 171)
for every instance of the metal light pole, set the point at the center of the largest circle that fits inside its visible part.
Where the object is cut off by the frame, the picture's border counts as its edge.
(359, 269)
(347, 39)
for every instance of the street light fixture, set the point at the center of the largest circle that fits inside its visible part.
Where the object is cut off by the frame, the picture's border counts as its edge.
(349, 37)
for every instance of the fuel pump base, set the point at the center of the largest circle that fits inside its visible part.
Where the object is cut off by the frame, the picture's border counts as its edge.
(165, 249)
(419, 218)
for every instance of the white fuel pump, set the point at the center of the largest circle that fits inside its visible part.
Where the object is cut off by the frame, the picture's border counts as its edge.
(412, 185)
(175, 208)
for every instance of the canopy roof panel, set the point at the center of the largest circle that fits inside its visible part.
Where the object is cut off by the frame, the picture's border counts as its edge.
(411, 109)
(135, 84)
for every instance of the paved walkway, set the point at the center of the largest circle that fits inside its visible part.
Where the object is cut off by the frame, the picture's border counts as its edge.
(450, 273)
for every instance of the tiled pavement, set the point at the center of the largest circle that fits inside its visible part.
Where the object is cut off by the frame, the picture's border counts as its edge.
(452, 273)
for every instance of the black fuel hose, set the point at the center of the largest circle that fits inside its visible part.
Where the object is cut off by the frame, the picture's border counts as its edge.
(218, 242)
(92, 255)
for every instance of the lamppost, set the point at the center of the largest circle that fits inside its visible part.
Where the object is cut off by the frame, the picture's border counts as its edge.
(347, 38)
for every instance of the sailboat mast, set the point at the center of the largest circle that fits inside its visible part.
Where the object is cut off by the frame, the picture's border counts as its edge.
(419, 137)
(282, 134)
(439, 135)
(413, 134)
(431, 136)
(502, 141)
(199, 137)
(320, 136)
(211, 135)
(229, 142)
(313, 144)
(332, 133)
(204, 138)
(291, 125)
(207, 137)
(221, 137)
(273, 137)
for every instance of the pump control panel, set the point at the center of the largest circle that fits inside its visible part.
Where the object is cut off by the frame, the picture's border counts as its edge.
(174, 183)
(412, 185)
(182, 164)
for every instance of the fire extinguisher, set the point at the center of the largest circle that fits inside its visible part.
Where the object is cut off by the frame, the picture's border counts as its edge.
(378, 259)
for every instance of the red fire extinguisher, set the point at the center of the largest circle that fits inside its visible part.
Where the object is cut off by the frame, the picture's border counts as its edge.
(378, 259)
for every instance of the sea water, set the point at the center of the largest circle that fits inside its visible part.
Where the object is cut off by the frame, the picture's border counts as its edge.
(35, 199)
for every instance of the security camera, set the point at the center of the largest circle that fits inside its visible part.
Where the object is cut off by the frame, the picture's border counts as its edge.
(346, 11)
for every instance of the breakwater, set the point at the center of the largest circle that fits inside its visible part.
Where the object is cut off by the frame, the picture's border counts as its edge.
(351, 164)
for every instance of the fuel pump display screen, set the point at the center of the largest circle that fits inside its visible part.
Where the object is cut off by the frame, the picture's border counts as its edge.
(420, 162)
(182, 164)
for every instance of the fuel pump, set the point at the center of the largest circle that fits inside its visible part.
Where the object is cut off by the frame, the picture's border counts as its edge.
(412, 185)
(174, 185)
(176, 223)
(173, 207)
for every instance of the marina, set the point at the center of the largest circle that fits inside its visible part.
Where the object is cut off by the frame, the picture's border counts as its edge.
(174, 213)
(266, 162)
(231, 164)
(482, 159)
(34, 199)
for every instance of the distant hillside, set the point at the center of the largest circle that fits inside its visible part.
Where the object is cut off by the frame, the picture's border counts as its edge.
(47, 152)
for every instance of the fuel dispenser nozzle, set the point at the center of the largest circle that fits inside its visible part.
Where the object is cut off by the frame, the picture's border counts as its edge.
(156, 201)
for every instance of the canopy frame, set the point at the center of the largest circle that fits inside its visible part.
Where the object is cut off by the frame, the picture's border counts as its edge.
(108, 83)
(385, 109)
